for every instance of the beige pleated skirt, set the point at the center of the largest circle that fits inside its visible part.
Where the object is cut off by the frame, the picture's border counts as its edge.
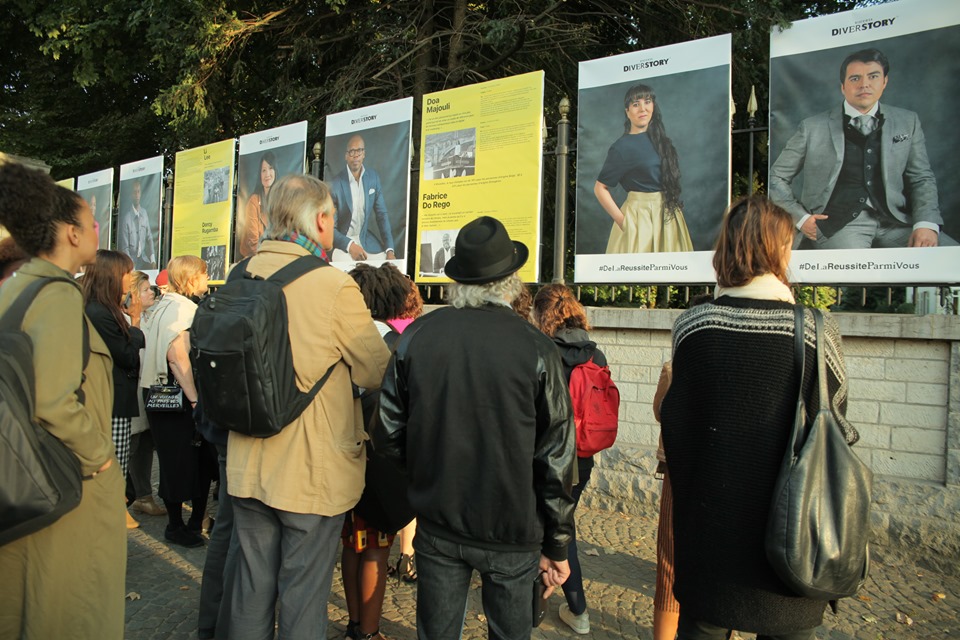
(644, 230)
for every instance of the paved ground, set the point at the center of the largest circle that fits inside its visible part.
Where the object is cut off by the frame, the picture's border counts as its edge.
(618, 563)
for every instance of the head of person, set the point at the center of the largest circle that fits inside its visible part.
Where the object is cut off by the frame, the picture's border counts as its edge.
(384, 288)
(137, 190)
(640, 108)
(446, 241)
(93, 205)
(523, 303)
(412, 306)
(863, 77)
(107, 280)
(12, 258)
(141, 290)
(301, 205)
(356, 152)
(268, 173)
(45, 219)
(756, 237)
(187, 275)
(555, 308)
(485, 264)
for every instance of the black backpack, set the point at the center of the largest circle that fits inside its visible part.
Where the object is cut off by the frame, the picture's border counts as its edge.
(241, 355)
(40, 477)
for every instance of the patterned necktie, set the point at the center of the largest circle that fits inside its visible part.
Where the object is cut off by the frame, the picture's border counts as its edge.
(866, 124)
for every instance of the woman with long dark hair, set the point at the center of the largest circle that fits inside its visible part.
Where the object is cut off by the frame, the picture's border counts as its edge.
(558, 314)
(105, 283)
(255, 220)
(65, 580)
(726, 419)
(644, 162)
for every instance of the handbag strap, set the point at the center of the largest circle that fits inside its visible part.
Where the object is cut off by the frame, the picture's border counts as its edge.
(821, 363)
(799, 349)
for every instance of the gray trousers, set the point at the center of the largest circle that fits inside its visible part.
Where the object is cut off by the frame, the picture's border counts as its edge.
(873, 230)
(284, 570)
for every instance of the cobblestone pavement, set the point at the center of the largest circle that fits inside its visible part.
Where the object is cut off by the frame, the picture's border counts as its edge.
(617, 554)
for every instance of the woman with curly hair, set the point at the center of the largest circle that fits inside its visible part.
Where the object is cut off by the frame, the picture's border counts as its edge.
(559, 315)
(371, 526)
(105, 283)
(67, 579)
(644, 162)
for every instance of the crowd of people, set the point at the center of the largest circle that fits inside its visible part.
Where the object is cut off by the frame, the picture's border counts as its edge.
(467, 451)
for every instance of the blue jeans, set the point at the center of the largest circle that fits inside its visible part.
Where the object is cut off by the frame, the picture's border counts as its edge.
(214, 583)
(573, 587)
(444, 569)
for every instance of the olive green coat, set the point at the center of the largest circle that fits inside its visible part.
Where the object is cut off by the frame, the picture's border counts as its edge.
(67, 580)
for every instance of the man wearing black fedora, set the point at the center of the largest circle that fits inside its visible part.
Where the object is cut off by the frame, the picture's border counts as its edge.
(475, 407)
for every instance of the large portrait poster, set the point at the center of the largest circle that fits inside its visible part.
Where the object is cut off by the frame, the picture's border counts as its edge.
(367, 165)
(480, 156)
(863, 142)
(265, 157)
(140, 210)
(653, 163)
(203, 205)
(97, 190)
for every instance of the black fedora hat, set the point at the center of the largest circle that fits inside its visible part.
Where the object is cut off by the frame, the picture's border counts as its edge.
(484, 253)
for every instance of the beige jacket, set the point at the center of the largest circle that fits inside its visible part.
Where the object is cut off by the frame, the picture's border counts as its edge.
(316, 464)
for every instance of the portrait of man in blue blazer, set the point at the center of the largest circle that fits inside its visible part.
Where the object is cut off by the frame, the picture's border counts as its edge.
(362, 225)
(867, 180)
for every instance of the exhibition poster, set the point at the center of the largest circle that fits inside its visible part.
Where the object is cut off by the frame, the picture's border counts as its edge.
(863, 143)
(480, 155)
(265, 157)
(139, 212)
(653, 163)
(203, 205)
(367, 165)
(69, 183)
(97, 189)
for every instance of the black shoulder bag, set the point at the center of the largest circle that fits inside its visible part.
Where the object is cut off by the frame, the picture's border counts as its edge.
(819, 523)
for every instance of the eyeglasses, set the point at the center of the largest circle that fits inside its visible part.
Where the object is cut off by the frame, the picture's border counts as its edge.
(355, 152)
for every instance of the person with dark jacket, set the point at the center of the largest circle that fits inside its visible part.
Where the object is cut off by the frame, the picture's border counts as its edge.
(726, 420)
(105, 283)
(558, 313)
(475, 407)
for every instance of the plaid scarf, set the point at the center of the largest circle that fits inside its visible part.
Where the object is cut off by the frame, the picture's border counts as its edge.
(306, 243)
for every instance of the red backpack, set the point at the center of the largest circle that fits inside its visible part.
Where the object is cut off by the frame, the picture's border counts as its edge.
(596, 406)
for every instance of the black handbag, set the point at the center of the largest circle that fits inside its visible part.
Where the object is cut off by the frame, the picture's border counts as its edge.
(164, 398)
(819, 523)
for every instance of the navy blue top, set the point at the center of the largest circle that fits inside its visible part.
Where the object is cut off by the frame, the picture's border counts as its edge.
(633, 163)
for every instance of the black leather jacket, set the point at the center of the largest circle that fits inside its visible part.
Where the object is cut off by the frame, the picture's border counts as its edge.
(475, 406)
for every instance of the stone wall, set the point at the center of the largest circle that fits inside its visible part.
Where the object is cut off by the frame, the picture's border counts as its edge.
(904, 378)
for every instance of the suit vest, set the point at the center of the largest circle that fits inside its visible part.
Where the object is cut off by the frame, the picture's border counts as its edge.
(860, 179)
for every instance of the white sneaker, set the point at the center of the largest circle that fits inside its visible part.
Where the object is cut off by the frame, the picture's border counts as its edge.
(579, 623)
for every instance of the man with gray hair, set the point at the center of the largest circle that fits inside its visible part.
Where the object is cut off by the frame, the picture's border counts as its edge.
(484, 429)
(290, 491)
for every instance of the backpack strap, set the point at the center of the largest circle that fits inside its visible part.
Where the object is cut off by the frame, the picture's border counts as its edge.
(299, 267)
(12, 320)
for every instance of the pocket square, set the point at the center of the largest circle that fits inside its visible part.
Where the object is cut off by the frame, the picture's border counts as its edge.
(900, 137)
(371, 192)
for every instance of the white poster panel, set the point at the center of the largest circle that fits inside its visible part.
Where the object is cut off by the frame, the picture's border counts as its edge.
(140, 211)
(265, 157)
(863, 143)
(97, 189)
(653, 163)
(371, 146)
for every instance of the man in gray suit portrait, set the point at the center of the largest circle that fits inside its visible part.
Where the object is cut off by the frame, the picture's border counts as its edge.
(867, 181)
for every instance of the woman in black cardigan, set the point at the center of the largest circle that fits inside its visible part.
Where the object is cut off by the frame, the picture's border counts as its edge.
(726, 420)
(105, 283)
